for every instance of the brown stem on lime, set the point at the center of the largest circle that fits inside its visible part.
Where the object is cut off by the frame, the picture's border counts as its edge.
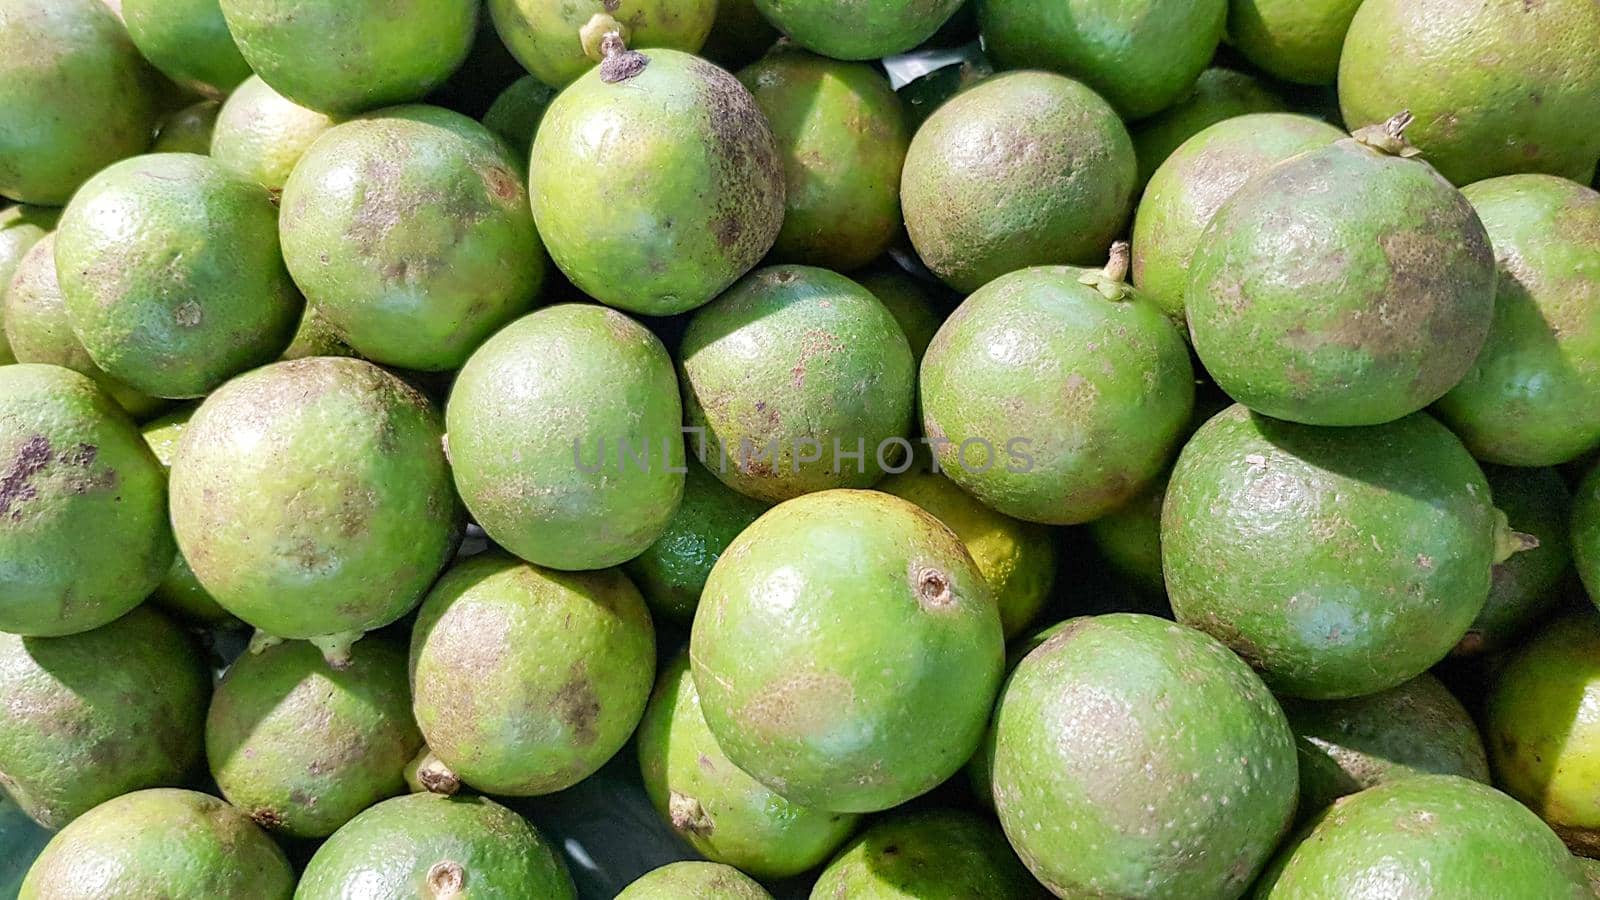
(689, 816)
(1508, 542)
(1117, 268)
(1389, 137)
(592, 36)
(606, 39)
(336, 648)
(1112, 281)
(260, 642)
(428, 774)
(446, 879)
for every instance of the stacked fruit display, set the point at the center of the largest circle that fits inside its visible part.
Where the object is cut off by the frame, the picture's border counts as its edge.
(1101, 448)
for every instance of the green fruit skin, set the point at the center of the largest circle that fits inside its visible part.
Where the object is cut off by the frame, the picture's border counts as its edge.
(20, 228)
(188, 40)
(980, 768)
(739, 36)
(409, 231)
(75, 96)
(180, 592)
(544, 421)
(260, 134)
(933, 855)
(173, 276)
(1091, 731)
(1195, 180)
(1524, 587)
(348, 56)
(315, 337)
(165, 843)
(701, 880)
(1219, 95)
(1017, 559)
(515, 114)
(1531, 397)
(1059, 193)
(1497, 88)
(1341, 287)
(525, 725)
(95, 715)
(672, 572)
(1068, 403)
(1295, 40)
(847, 30)
(724, 814)
(401, 847)
(312, 497)
(1417, 728)
(38, 331)
(876, 687)
(302, 747)
(1543, 731)
(188, 130)
(1425, 836)
(83, 505)
(795, 354)
(1585, 531)
(1129, 537)
(1338, 562)
(1591, 871)
(1142, 55)
(546, 36)
(842, 134)
(654, 194)
(912, 303)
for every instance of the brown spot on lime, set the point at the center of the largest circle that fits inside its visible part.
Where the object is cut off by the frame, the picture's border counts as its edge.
(267, 818)
(81, 456)
(579, 706)
(1226, 632)
(621, 327)
(728, 229)
(801, 705)
(933, 589)
(16, 484)
(502, 184)
(446, 879)
(1471, 644)
(687, 815)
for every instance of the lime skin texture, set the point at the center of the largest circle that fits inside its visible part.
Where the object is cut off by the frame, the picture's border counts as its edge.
(98, 714)
(83, 504)
(888, 667)
(312, 499)
(430, 845)
(162, 842)
(657, 182)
